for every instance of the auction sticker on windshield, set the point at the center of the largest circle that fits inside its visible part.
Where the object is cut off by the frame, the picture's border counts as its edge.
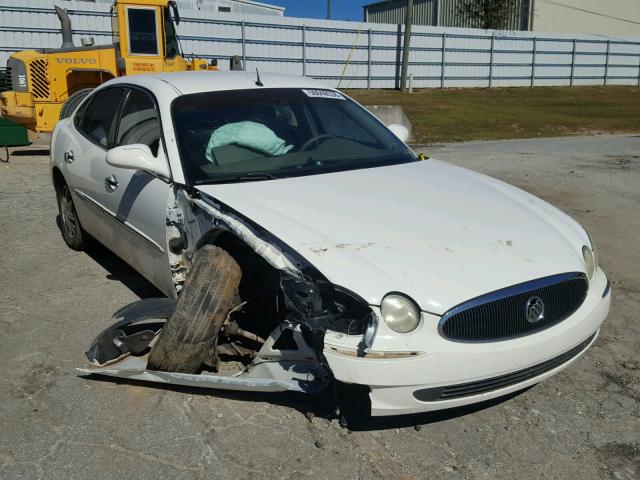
(323, 94)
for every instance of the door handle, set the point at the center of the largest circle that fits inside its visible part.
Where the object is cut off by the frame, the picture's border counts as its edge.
(111, 183)
(69, 157)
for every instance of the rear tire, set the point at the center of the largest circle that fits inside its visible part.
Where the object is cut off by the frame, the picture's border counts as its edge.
(187, 338)
(73, 101)
(72, 232)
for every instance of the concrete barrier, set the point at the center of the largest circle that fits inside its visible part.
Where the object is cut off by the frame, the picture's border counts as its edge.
(389, 114)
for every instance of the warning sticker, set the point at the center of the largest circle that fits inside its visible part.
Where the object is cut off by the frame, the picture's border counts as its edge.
(323, 94)
(144, 67)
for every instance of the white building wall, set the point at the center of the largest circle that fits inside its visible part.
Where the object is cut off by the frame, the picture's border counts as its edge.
(617, 18)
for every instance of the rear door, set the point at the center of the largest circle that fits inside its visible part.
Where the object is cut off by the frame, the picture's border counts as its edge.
(84, 166)
(137, 200)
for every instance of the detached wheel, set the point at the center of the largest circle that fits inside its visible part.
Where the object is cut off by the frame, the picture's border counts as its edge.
(73, 101)
(70, 227)
(187, 338)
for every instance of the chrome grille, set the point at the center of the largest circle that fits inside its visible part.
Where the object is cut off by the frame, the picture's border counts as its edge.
(39, 78)
(490, 384)
(502, 315)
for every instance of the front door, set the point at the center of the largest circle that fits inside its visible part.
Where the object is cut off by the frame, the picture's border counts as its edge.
(124, 209)
(137, 199)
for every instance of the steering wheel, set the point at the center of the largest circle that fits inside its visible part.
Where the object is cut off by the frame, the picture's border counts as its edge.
(317, 139)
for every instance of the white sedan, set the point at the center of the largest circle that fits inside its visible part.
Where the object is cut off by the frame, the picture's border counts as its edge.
(301, 242)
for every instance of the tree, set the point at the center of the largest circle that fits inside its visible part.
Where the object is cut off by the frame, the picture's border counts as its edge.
(487, 14)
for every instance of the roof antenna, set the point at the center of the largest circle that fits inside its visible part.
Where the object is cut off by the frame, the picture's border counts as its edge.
(258, 82)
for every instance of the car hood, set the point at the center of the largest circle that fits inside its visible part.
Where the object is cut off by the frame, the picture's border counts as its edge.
(439, 233)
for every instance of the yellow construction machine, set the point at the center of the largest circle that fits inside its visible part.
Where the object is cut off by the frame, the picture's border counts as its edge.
(47, 85)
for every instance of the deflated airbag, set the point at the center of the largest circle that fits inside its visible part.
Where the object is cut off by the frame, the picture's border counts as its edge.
(246, 134)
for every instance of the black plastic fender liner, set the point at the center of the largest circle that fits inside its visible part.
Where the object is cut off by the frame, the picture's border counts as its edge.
(131, 320)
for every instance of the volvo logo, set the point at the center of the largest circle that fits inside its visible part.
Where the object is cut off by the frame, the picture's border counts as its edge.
(534, 309)
(79, 61)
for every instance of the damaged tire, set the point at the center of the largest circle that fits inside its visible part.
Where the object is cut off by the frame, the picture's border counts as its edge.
(187, 339)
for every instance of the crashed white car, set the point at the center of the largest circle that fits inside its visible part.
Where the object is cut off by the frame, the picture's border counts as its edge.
(300, 242)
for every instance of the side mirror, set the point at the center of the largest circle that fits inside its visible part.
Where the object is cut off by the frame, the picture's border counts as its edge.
(399, 131)
(137, 157)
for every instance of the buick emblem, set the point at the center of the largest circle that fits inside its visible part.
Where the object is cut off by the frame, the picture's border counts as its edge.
(534, 309)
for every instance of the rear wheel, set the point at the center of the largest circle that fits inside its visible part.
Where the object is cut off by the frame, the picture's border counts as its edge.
(70, 227)
(73, 101)
(188, 337)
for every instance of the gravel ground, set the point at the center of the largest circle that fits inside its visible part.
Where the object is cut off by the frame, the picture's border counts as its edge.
(583, 423)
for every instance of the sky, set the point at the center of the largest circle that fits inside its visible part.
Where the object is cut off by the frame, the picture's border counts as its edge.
(340, 9)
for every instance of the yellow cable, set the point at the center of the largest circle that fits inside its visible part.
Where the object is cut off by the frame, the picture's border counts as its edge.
(353, 47)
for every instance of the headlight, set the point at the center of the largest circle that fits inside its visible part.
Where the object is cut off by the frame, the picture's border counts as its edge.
(400, 313)
(590, 261)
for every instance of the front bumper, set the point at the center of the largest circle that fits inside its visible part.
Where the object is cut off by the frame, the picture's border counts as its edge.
(436, 362)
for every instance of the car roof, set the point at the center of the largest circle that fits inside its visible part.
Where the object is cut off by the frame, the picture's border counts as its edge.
(211, 81)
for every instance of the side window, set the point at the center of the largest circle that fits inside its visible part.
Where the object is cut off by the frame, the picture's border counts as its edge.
(143, 31)
(97, 117)
(139, 122)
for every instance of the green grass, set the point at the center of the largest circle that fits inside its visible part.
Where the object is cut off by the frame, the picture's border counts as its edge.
(455, 115)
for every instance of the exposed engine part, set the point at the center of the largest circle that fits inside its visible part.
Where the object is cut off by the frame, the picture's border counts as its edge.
(178, 244)
(233, 349)
(175, 230)
(233, 329)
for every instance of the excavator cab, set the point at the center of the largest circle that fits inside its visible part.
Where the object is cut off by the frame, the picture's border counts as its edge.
(47, 85)
(148, 41)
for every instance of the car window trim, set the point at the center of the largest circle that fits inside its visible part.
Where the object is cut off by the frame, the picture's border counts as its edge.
(86, 105)
(116, 119)
(80, 110)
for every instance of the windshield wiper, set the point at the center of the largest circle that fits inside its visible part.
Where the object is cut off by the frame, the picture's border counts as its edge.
(245, 177)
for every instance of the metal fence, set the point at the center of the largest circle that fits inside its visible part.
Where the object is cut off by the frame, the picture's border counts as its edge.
(356, 54)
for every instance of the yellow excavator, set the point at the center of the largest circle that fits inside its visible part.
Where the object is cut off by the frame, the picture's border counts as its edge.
(47, 85)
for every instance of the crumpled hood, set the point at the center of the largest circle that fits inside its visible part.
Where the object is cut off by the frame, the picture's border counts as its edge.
(436, 232)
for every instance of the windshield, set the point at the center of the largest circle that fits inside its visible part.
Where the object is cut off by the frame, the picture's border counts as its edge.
(259, 134)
